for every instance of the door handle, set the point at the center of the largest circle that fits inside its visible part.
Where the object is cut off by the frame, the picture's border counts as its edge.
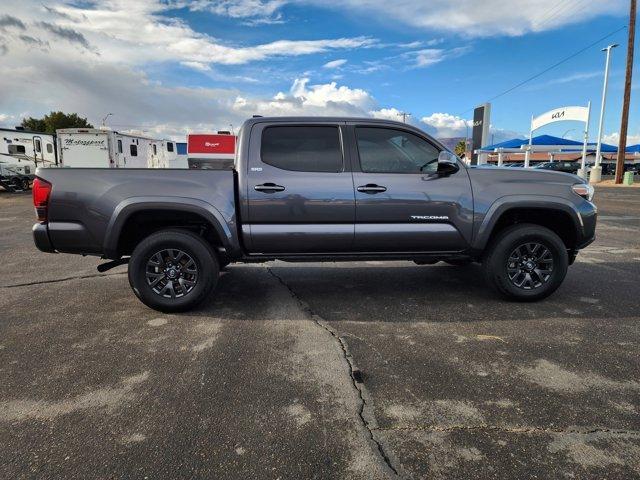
(371, 188)
(269, 188)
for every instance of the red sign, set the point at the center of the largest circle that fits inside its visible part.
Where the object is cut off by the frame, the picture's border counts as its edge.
(207, 143)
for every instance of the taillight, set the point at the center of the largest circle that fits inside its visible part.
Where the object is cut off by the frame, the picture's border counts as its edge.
(41, 191)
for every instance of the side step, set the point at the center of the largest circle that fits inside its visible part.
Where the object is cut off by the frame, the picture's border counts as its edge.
(112, 264)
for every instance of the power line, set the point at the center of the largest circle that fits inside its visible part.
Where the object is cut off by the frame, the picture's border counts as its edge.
(563, 8)
(557, 64)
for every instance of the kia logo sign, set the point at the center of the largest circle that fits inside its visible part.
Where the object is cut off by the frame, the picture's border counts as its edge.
(478, 123)
(557, 115)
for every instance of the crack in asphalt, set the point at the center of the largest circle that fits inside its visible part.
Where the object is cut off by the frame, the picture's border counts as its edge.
(65, 279)
(507, 429)
(318, 320)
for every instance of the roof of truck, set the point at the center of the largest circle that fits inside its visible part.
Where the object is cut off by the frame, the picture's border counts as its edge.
(381, 121)
(326, 119)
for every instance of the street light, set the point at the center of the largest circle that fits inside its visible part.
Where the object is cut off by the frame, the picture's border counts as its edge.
(596, 171)
(104, 120)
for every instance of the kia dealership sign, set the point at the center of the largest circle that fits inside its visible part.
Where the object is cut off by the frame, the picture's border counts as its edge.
(579, 114)
(480, 132)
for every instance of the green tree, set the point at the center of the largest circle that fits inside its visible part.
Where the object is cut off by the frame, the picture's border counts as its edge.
(54, 121)
(461, 148)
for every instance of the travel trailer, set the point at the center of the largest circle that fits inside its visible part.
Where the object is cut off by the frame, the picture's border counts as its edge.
(104, 148)
(210, 150)
(25, 149)
(175, 154)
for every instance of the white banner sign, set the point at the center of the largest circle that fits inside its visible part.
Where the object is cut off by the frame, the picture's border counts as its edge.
(580, 114)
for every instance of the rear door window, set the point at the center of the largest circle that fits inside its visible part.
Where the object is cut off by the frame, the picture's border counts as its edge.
(302, 148)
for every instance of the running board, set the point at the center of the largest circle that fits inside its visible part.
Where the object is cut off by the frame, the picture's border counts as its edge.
(114, 263)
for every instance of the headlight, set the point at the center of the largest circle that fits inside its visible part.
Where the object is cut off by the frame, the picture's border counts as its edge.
(585, 190)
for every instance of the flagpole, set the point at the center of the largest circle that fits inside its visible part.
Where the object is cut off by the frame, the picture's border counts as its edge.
(583, 169)
(527, 154)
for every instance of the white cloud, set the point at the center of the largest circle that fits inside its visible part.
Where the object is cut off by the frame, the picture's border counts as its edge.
(490, 17)
(447, 125)
(576, 77)
(335, 63)
(330, 93)
(470, 18)
(614, 139)
(386, 114)
(430, 56)
(203, 67)
(258, 11)
(133, 33)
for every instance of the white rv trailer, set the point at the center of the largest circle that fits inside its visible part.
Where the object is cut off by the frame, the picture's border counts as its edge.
(104, 148)
(175, 154)
(26, 149)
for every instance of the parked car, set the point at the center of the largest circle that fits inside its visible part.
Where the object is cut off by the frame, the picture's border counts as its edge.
(560, 166)
(14, 178)
(514, 165)
(318, 189)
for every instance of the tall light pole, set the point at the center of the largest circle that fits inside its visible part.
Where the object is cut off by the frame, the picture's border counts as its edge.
(104, 120)
(596, 171)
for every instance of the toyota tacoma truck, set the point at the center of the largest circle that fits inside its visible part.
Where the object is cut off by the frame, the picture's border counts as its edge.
(318, 189)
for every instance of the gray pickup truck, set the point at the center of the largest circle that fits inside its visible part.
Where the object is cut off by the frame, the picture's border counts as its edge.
(318, 189)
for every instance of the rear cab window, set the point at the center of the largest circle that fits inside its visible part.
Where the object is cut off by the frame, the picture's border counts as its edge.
(303, 148)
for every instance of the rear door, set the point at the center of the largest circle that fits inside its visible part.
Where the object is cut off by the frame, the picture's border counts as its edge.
(299, 190)
(402, 203)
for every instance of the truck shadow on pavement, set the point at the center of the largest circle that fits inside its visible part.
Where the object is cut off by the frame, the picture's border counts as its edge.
(403, 292)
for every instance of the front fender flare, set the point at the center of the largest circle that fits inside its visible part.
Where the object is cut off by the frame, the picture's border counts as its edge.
(506, 203)
(132, 205)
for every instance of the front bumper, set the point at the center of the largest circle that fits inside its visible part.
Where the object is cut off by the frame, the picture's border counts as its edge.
(41, 238)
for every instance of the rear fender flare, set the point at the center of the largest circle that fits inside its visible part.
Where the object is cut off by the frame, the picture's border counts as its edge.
(132, 205)
(504, 204)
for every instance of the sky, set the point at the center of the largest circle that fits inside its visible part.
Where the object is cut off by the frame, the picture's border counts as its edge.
(168, 67)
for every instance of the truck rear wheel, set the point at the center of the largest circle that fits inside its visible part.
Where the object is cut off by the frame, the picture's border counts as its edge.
(526, 262)
(173, 270)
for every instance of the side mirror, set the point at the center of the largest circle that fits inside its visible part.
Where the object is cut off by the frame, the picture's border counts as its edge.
(447, 163)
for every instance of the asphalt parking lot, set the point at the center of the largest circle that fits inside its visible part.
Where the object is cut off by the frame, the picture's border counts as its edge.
(340, 370)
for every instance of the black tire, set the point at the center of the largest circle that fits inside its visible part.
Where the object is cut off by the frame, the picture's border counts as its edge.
(194, 250)
(504, 267)
(459, 262)
(25, 184)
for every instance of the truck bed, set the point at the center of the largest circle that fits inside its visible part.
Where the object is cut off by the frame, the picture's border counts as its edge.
(88, 205)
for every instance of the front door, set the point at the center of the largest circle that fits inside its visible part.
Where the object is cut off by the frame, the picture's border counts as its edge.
(402, 203)
(300, 193)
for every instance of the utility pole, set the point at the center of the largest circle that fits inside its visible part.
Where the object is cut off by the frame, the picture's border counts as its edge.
(404, 116)
(596, 171)
(622, 144)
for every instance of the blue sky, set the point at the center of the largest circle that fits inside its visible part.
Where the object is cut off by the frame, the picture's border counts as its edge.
(167, 67)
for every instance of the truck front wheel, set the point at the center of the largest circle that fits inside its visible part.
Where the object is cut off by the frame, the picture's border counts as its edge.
(173, 270)
(526, 262)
